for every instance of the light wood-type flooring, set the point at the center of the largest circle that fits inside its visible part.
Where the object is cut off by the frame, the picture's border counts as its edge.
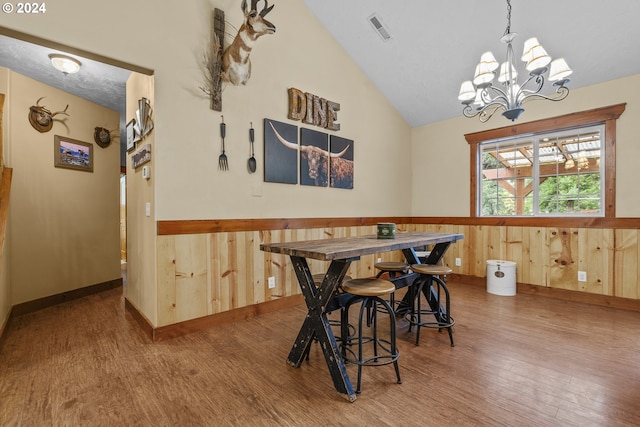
(518, 361)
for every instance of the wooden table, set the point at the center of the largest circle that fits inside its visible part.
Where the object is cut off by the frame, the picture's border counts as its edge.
(341, 252)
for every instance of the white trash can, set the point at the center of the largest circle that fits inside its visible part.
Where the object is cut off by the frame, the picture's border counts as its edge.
(501, 277)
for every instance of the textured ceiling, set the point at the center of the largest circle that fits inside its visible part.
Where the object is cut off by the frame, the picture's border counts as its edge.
(98, 82)
(434, 46)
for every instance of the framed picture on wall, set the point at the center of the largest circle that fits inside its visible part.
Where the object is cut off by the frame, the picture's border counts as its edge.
(72, 154)
(131, 142)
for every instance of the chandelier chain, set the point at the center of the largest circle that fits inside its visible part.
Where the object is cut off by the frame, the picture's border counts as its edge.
(508, 30)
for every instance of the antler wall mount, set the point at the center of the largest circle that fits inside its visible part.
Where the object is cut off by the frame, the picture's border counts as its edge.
(102, 136)
(41, 118)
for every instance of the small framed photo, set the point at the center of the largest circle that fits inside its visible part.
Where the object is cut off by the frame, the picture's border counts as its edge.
(131, 133)
(72, 154)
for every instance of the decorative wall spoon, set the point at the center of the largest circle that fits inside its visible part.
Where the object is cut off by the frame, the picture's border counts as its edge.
(251, 164)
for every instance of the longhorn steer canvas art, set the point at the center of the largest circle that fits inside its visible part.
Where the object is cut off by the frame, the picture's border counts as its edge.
(314, 161)
(314, 157)
(341, 167)
(280, 161)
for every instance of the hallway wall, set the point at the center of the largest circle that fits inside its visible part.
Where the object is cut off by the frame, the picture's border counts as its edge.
(63, 223)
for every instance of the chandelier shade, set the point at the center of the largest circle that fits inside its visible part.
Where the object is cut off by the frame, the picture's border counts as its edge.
(482, 97)
(507, 73)
(559, 70)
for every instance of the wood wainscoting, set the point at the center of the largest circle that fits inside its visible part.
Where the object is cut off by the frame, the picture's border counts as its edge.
(551, 256)
(211, 267)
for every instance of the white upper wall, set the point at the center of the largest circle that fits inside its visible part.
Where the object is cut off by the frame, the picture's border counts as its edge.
(441, 153)
(398, 171)
(171, 37)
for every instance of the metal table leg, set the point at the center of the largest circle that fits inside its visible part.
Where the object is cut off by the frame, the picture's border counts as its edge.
(316, 324)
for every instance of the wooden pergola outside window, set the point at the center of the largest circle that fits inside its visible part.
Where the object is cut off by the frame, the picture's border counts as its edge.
(564, 168)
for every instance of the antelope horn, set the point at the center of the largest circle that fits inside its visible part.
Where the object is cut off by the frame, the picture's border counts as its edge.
(287, 143)
(38, 101)
(265, 9)
(61, 112)
(254, 5)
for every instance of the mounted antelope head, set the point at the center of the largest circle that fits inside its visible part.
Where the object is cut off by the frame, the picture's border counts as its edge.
(236, 66)
(42, 119)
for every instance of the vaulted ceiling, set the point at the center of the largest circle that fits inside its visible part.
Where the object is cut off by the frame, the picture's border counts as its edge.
(433, 47)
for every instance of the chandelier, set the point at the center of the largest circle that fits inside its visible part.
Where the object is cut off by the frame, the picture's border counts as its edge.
(482, 97)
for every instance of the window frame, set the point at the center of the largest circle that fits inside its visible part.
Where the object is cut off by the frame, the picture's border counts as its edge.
(534, 141)
(606, 116)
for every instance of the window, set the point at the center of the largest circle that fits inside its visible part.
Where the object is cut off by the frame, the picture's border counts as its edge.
(554, 173)
(603, 119)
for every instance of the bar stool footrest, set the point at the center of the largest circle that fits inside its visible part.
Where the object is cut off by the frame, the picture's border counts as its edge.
(376, 360)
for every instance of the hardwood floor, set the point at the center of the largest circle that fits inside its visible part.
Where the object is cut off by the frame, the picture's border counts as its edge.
(519, 361)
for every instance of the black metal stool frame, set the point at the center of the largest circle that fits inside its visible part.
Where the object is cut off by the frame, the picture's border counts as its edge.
(442, 313)
(391, 353)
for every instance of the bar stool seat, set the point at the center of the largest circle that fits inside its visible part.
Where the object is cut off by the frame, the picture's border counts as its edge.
(437, 291)
(379, 351)
(391, 267)
(433, 269)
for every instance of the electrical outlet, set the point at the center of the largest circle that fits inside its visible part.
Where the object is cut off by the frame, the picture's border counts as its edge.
(458, 262)
(582, 276)
(379, 260)
(272, 282)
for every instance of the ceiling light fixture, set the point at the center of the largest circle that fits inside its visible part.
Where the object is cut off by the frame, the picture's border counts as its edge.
(482, 98)
(64, 63)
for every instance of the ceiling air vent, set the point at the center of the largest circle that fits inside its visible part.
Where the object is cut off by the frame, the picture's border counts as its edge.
(379, 27)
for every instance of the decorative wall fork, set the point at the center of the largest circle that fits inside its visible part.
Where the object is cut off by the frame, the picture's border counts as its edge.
(222, 160)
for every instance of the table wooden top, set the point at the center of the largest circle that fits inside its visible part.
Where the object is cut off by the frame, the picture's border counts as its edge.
(355, 246)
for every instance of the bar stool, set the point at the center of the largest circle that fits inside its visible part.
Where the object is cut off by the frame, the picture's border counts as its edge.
(437, 290)
(392, 267)
(380, 351)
